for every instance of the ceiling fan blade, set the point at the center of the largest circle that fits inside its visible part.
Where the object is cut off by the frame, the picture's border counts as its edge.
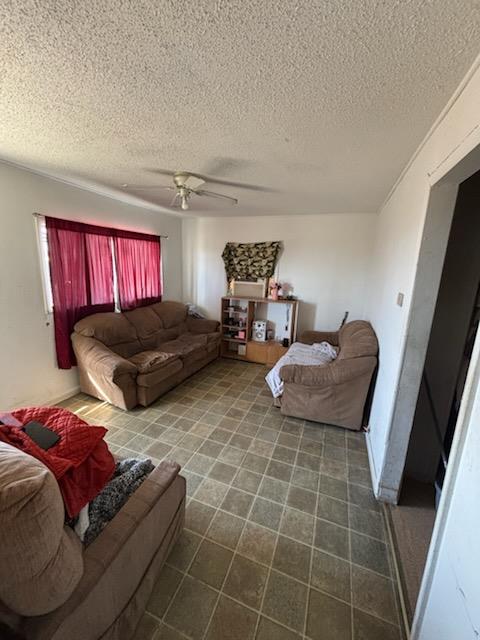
(225, 165)
(172, 173)
(162, 172)
(236, 185)
(138, 187)
(212, 180)
(211, 194)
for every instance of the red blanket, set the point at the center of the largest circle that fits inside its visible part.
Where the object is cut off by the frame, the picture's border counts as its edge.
(80, 460)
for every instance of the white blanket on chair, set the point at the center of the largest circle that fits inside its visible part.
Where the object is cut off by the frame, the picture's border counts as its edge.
(299, 353)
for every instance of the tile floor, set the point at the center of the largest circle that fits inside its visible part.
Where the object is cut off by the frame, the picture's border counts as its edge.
(283, 538)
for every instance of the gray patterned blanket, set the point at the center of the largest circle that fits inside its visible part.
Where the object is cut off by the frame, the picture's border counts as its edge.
(128, 476)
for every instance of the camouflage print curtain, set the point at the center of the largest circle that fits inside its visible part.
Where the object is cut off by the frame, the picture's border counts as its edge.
(250, 261)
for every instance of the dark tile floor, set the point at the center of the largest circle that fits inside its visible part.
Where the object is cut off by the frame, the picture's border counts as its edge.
(283, 538)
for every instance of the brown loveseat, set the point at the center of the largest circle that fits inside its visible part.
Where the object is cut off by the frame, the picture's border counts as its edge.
(51, 588)
(334, 393)
(134, 357)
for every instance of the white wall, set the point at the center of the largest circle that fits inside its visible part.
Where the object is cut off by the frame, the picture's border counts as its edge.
(28, 371)
(326, 259)
(450, 600)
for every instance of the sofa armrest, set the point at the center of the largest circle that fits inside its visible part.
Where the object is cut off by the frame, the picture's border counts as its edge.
(337, 372)
(202, 325)
(309, 337)
(307, 375)
(95, 356)
(118, 530)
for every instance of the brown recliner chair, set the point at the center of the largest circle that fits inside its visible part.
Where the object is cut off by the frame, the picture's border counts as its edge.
(51, 587)
(334, 393)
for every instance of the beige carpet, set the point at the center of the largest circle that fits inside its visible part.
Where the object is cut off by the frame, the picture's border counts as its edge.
(412, 525)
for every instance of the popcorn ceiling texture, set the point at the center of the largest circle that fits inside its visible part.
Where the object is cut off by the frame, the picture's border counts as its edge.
(322, 101)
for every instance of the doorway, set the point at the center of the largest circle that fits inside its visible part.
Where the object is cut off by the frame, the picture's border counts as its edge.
(450, 345)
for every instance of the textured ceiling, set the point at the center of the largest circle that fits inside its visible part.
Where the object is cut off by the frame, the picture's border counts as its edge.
(323, 102)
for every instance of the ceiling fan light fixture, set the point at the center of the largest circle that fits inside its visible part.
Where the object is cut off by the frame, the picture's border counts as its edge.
(184, 203)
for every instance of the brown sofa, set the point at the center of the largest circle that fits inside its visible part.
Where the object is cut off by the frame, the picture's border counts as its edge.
(51, 588)
(334, 393)
(134, 357)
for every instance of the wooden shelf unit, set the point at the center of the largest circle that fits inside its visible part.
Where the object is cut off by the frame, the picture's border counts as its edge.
(243, 312)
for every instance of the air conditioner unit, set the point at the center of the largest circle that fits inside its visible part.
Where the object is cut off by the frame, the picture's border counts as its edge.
(247, 289)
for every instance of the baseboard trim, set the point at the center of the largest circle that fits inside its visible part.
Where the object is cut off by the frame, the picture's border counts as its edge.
(64, 396)
(383, 494)
(44, 402)
(371, 463)
(398, 572)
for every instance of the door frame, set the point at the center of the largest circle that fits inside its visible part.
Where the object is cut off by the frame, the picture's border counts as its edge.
(444, 183)
(433, 246)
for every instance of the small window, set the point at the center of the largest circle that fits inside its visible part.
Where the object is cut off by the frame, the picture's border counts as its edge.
(116, 296)
(42, 241)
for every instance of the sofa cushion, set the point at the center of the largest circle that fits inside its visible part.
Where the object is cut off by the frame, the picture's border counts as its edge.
(151, 378)
(150, 328)
(202, 325)
(181, 328)
(109, 328)
(40, 560)
(113, 330)
(196, 340)
(170, 313)
(164, 336)
(187, 346)
(145, 321)
(148, 361)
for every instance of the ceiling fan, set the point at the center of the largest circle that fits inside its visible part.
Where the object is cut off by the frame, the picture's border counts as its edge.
(186, 185)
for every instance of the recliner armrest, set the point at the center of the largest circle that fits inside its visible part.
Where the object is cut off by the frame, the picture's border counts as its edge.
(308, 375)
(335, 373)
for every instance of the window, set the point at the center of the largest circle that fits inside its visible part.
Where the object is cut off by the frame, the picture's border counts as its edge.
(44, 263)
(88, 269)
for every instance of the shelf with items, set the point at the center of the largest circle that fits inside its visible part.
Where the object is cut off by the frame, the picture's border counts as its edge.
(238, 314)
(236, 327)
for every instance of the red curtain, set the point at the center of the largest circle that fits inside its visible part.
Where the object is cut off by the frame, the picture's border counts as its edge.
(100, 268)
(82, 278)
(137, 260)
